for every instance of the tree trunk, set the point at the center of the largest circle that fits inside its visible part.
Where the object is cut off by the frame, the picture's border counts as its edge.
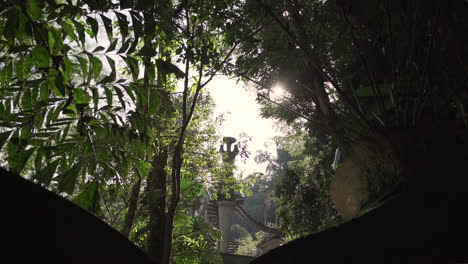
(156, 190)
(130, 217)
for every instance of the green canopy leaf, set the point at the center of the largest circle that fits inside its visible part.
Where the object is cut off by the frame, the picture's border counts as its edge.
(68, 179)
(45, 175)
(123, 24)
(84, 66)
(97, 66)
(107, 25)
(80, 30)
(133, 66)
(6, 73)
(23, 67)
(68, 28)
(80, 96)
(27, 100)
(154, 101)
(3, 138)
(89, 198)
(19, 159)
(33, 9)
(93, 24)
(40, 57)
(167, 68)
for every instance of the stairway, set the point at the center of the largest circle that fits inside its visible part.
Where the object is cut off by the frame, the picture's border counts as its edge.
(212, 212)
(233, 246)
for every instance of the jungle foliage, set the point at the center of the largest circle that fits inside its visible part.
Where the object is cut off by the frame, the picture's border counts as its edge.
(350, 68)
(102, 101)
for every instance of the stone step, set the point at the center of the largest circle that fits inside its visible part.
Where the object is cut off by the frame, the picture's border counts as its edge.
(212, 212)
(232, 247)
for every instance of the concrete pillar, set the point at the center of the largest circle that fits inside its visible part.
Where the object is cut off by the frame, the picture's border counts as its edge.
(225, 212)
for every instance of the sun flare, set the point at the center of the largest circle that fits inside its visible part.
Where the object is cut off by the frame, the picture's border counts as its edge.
(277, 92)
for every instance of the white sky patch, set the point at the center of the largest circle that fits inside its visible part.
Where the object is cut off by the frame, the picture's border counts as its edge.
(242, 114)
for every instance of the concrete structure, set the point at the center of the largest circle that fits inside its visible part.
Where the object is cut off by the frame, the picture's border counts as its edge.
(220, 212)
(225, 212)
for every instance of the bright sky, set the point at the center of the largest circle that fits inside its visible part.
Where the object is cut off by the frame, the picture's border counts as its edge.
(242, 114)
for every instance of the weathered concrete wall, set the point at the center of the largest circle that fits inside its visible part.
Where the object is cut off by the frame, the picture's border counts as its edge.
(225, 212)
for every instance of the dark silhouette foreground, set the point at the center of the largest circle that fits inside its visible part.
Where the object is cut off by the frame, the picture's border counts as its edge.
(42, 227)
(426, 221)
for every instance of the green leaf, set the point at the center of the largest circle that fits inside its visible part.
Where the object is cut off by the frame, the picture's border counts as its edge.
(40, 57)
(150, 70)
(97, 66)
(98, 48)
(88, 199)
(45, 175)
(133, 66)
(55, 40)
(111, 63)
(133, 46)
(51, 40)
(174, 69)
(33, 9)
(84, 66)
(56, 85)
(4, 137)
(27, 100)
(7, 73)
(38, 159)
(108, 96)
(93, 24)
(80, 96)
(147, 51)
(100, 131)
(81, 31)
(109, 78)
(112, 45)
(124, 46)
(44, 91)
(120, 96)
(68, 179)
(68, 28)
(123, 24)
(143, 168)
(67, 70)
(23, 67)
(129, 92)
(137, 24)
(154, 101)
(167, 67)
(19, 159)
(11, 26)
(95, 98)
(107, 25)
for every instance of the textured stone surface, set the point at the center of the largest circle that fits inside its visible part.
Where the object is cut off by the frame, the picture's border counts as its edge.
(369, 170)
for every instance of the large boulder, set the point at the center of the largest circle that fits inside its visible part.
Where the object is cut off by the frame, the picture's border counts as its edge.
(370, 170)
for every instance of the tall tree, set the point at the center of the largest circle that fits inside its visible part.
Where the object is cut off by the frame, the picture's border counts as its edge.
(89, 97)
(378, 74)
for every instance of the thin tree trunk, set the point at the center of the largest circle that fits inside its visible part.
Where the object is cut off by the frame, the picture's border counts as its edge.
(130, 217)
(174, 201)
(156, 190)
